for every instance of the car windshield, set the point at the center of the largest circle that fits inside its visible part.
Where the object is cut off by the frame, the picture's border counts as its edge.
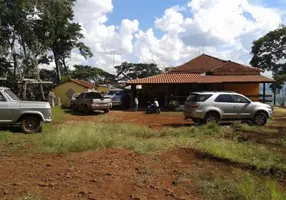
(114, 92)
(12, 96)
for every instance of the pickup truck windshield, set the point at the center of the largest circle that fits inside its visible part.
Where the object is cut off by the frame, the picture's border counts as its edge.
(12, 96)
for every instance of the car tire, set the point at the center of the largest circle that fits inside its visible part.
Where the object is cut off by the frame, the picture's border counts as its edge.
(31, 124)
(106, 111)
(260, 119)
(211, 118)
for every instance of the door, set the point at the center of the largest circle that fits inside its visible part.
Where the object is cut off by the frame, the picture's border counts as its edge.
(224, 103)
(78, 101)
(243, 107)
(5, 110)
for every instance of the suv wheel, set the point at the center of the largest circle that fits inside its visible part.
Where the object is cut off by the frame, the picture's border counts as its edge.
(106, 111)
(30, 124)
(260, 119)
(211, 118)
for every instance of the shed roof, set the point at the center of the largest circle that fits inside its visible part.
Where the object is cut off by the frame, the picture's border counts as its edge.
(81, 82)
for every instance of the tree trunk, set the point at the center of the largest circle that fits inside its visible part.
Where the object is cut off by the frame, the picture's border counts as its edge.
(58, 70)
(24, 93)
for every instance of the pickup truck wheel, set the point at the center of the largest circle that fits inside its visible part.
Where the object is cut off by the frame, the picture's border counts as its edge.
(30, 124)
(106, 111)
(260, 119)
(212, 118)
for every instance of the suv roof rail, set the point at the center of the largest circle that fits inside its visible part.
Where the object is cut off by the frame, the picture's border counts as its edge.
(213, 92)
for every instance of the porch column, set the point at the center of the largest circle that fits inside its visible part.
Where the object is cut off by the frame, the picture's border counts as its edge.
(133, 94)
(264, 93)
(166, 96)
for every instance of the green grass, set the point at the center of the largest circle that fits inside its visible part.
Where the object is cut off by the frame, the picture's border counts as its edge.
(241, 186)
(255, 155)
(98, 136)
(31, 197)
(58, 114)
(85, 137)
(254, 129)
(4, 136)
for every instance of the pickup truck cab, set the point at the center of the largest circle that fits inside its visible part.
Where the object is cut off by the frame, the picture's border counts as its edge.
(92, 101)
(29, 114)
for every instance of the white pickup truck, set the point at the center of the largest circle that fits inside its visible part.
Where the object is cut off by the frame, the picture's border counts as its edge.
(92, 101)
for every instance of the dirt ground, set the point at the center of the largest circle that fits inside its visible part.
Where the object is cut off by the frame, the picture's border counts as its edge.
(165, 119)
(110, 173)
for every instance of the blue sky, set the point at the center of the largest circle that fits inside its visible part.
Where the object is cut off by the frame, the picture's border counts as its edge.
(227, 29)
(145, 11)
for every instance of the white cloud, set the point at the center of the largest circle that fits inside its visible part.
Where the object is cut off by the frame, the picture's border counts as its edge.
(226, 29)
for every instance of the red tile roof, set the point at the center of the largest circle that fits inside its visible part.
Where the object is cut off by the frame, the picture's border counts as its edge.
(197, 78)
(205, 63)
(232, 68)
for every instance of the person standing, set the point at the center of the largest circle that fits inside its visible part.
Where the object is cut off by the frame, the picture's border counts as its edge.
(156, 104)
(136, 103)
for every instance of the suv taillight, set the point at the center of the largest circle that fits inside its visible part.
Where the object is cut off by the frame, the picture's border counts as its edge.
(195, 105)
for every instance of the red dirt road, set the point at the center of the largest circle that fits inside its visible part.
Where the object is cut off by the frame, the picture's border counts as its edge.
(111, 173)
(165, 119)
(108, 174)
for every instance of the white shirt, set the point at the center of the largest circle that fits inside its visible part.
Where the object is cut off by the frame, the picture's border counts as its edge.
(156, 103)
(136, 101)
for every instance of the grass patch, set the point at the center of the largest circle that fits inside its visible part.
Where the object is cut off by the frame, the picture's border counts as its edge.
(137, 138)
(282, 141)
(4, 136)
(254, 129)
(31, 197)
(254, 155)
(242, 185)
(58, 114)
(98, 136)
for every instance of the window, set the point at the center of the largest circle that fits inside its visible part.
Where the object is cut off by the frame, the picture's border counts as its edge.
(12, 96)
(93, 95)
(198, 97)
(80, 96)
(224, 98)
(239, 99)
(2, 98)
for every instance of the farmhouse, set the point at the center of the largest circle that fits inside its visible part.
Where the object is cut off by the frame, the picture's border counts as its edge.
(203, 73)
(66, 89)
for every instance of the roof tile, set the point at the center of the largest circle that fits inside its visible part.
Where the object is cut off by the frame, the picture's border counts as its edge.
(197, 78)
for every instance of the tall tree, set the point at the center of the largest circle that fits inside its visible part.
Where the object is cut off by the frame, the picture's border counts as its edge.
(269, 54)
(63, 34)
(137, 70)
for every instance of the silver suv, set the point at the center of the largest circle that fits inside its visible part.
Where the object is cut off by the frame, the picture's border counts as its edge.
(217, 106)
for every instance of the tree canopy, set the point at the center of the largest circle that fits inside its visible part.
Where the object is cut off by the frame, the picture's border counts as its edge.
(35, 32)
(88, 73)
(137, 70)
(269, 53)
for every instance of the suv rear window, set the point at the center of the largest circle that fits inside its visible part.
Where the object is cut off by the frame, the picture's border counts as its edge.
(198, 97)
(93, 95)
